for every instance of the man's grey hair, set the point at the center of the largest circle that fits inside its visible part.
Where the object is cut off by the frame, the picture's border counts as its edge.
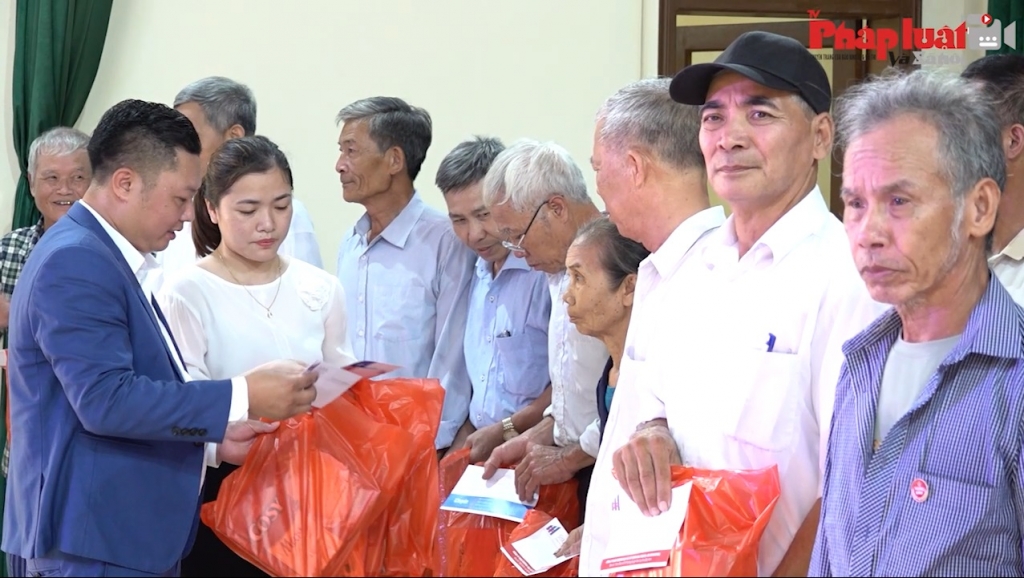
(529, 172)
(58, 142)
(467, 163)
(224, 102)
(394, 123)
(970, 137)
(643, 115)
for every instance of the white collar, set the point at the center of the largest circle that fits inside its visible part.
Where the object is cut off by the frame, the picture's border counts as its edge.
(137, 261)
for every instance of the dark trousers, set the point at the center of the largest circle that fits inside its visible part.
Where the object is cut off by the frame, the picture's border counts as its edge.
(583, 477)
(209, 556)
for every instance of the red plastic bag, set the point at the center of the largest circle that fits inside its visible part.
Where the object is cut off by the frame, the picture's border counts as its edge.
(470, 543)
(308, 490)
(728, 512)
(532, 522)
(405, 542)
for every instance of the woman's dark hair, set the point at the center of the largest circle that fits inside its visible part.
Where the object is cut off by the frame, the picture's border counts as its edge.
(234, 159)
(620, 257)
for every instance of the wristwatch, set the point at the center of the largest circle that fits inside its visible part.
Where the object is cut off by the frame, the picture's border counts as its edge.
(508, 431)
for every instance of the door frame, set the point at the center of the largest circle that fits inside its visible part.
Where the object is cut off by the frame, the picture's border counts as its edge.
(668, 10)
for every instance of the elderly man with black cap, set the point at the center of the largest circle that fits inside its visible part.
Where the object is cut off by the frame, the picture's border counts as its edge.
(747, 380)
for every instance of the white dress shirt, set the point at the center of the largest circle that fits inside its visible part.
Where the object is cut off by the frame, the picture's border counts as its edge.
(143, 265)
(1008, 266)
(300, 242)
(575, 364)
(701, 359)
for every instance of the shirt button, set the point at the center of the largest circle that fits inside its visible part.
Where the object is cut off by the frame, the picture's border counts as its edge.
(360, 298)
(491, 298)
(362, 259)
(488, 339)
(360, 333)
(483, 376)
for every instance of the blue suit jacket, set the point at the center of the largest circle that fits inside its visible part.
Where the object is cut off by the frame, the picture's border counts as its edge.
(107, 441)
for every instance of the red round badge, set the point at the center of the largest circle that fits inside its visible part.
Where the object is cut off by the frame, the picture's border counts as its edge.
(919, 490)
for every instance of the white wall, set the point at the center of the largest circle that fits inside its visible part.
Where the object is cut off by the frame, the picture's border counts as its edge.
(506, 68)
(532, 68)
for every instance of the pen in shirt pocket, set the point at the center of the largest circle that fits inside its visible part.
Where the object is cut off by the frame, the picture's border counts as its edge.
(505, 333)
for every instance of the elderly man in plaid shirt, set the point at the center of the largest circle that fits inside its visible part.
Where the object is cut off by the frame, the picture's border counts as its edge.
(58, 175)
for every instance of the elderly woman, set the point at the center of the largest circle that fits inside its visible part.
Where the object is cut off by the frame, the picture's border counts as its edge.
(602, 266)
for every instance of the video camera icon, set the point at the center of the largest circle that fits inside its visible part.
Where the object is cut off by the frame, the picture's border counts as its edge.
(986, 33)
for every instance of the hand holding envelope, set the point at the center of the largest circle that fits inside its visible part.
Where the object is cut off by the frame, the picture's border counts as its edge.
(332, 382)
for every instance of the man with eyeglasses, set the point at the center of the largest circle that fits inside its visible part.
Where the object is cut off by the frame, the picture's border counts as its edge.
(509, 309)
(538, 200)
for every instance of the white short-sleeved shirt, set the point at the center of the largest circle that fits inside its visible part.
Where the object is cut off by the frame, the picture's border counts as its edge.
(1008, 266)
(575, 364)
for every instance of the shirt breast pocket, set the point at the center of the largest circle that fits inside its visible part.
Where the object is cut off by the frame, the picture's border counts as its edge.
(522, 368)
(403, 313)
(761, 387)
(963, 511)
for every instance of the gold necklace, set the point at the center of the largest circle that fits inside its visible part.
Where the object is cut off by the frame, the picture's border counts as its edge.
(246, 289)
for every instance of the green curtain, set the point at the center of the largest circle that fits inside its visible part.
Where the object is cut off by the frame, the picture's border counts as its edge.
(57, 48)
(1007, 12)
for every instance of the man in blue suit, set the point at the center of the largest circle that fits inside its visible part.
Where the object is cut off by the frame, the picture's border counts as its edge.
(110, 438)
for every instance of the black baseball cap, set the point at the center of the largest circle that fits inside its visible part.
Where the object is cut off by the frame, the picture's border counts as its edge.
(772, 60)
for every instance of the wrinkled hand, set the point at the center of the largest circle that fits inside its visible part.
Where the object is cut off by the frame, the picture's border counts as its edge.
(571, 546)
(509, 452)
(483, 441)
(542, 466)
(644, 468)
(239, 437)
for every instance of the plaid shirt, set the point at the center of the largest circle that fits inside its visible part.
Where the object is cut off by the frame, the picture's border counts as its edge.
(14, 250)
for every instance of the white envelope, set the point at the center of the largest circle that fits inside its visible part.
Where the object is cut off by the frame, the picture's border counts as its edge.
(332, 382)
(496, 497)
(536, 553)
(636, 541)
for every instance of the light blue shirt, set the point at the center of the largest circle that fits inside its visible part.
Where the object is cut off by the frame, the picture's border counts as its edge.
(506, 341)
(406, 292)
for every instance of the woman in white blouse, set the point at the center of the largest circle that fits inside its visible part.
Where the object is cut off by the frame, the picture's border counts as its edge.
(243, 304)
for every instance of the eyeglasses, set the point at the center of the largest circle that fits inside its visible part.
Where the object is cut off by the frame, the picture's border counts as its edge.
(518, 245)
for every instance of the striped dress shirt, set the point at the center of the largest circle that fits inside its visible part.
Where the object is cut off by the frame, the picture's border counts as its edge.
(942, 495)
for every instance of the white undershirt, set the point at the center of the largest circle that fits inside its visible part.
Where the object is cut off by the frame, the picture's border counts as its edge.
(907, 371)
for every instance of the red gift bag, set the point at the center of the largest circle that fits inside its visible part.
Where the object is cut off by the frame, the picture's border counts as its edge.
(309, 490)
(728, 512)
(405, 542)
(470, 543)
